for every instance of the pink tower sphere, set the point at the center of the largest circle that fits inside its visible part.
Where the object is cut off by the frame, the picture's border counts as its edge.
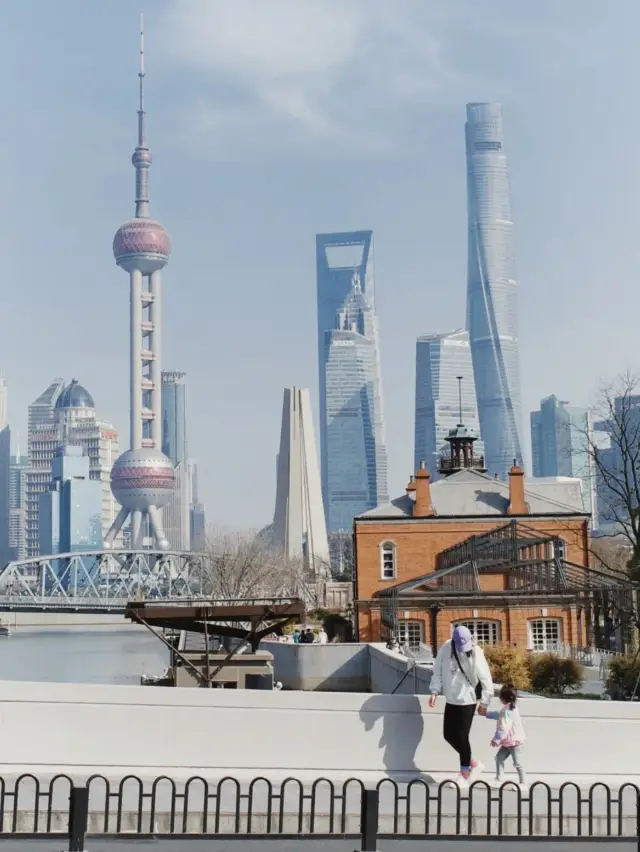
(142, 244)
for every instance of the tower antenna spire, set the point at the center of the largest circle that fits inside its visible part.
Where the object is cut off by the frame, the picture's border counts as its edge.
(142, 156)
(142, 142)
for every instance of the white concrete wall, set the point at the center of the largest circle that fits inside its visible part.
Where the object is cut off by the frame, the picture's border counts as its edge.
(334, 667)
(387, 670)
(346, 668)
(23, 621)
(84, 729)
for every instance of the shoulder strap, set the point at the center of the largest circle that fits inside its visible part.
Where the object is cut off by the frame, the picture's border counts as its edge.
(455, 654)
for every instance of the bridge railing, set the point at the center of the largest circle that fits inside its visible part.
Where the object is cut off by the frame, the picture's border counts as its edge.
(232, 809)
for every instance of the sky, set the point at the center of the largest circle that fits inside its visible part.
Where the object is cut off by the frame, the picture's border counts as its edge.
(271, 121)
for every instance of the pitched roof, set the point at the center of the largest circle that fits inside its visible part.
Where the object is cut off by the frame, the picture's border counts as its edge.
(469, 492)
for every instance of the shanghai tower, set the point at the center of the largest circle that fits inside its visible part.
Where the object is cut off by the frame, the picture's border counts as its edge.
(492, 319)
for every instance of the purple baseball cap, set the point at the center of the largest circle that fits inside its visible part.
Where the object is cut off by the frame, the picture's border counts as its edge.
(462, 639)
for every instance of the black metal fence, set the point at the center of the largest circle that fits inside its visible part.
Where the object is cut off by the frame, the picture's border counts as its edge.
(321, 809)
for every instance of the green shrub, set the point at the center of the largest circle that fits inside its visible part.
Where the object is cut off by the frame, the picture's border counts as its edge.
(622, 676)
(508, 665)
(555, 675)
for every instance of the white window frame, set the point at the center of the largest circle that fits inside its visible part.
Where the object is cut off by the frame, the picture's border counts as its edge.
(402, 632)
(545, 644)
(388, 547)
(494, 626)
(560, 552)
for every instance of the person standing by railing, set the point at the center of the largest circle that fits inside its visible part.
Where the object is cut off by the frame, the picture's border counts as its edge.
(461, 673)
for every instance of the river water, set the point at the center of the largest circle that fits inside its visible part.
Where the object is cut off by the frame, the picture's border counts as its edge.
(103, 655)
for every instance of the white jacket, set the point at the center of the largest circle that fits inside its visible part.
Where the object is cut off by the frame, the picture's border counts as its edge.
(448, 680)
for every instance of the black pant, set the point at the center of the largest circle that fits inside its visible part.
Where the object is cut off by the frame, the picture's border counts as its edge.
(456, 729)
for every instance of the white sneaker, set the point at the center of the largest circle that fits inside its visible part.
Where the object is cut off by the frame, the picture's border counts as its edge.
(524, 788)
(497, 782)
(462, 782)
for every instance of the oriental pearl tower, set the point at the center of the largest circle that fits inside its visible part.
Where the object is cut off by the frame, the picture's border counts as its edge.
(142, 479)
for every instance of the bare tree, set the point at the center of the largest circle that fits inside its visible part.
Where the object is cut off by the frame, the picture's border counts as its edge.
(240, 566)
(617, 471)
(617, 467)
(341, 549)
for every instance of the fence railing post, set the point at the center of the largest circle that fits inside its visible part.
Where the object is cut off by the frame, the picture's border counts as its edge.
(369, 809)
(78, 818)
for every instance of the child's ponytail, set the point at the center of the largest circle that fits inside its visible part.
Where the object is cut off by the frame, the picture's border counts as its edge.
(509, 695)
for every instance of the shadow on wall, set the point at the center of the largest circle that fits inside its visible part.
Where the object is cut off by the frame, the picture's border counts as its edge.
(401, 732)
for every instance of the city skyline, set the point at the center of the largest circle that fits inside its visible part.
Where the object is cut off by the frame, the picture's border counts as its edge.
(219, 180)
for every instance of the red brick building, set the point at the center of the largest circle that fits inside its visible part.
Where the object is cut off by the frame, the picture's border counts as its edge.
(509, 560)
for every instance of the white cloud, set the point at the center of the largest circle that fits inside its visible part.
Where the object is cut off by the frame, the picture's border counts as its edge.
(332, 71)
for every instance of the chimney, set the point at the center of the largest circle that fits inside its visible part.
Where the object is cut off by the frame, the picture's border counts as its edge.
(517, 505)
(411, 486)
(422, 507)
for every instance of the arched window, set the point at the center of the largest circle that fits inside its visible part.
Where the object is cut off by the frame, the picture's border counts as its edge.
(545, 634)
(484, 632)
(388, 560)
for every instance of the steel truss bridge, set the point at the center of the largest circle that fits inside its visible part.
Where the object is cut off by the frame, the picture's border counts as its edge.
(100, 580)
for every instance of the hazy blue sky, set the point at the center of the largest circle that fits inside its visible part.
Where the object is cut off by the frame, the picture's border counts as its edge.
(271, 120)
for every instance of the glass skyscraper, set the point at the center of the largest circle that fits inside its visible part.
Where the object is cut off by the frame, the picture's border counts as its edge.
(70, 510)
(492, 318)
(352, 435)
(561, 441)
(440, 359)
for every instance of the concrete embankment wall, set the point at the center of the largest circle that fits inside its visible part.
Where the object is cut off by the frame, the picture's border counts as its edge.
(25, 621)
(87, 729)
(346, 668)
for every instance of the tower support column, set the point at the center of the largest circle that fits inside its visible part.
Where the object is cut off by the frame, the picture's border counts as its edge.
(156, 364)
(135, 277)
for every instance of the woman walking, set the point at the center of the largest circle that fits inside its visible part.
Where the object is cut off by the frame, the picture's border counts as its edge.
(461, 673)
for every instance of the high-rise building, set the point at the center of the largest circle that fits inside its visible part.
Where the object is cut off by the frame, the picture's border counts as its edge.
(18, 507)
(41, 410)
(197, 513)
(352, 433)
(445, 395)
(175, 515)
(492, 318)
(5, 466)
(299, 528)
(4, 416)
(72, 420)
(40, 450)
(142, 478)
(561, 442)
(70, 509)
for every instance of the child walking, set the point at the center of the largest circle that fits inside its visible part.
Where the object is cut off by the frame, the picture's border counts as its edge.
(509, 736)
